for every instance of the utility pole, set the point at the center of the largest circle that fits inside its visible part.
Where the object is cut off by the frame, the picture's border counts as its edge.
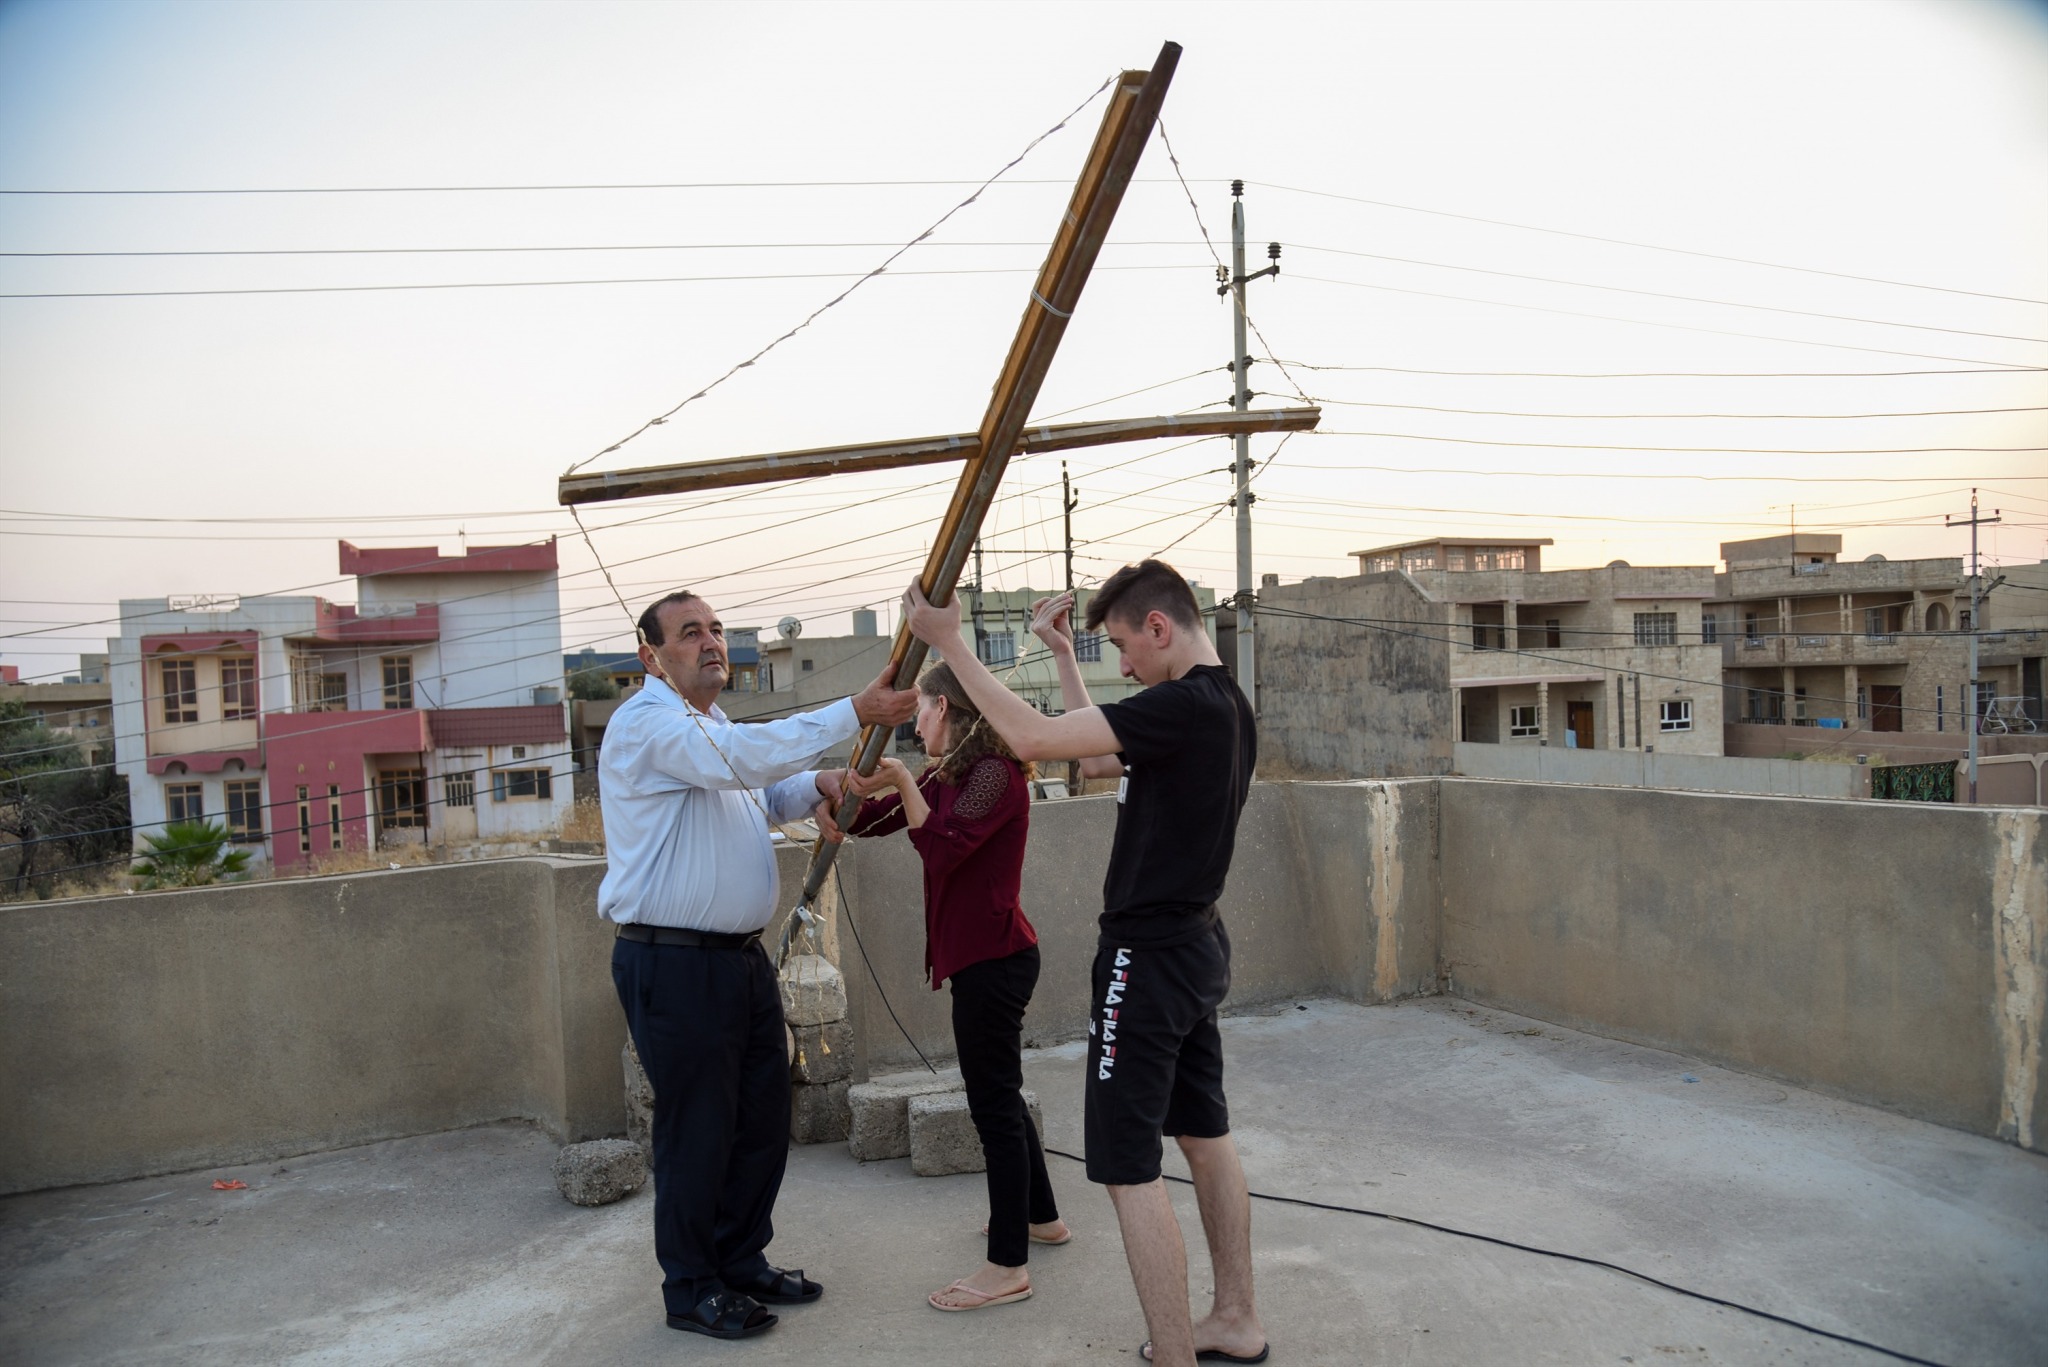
(1240, 400)
(975, 606)
(1067, 505)
(1976, 624)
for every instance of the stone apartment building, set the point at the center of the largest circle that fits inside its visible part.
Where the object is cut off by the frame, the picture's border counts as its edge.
(79, 707)
(1807, 639)
(1589, 659)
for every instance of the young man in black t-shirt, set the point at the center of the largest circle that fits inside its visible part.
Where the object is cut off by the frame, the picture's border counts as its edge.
(1183, 751)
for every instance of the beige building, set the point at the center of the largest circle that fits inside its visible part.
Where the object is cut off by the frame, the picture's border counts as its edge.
(1871, 645)
(79, 708)
(1588, 659)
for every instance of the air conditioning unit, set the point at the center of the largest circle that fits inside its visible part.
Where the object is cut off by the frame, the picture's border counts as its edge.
(546, 695)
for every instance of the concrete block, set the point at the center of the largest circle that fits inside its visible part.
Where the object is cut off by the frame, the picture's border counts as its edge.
(824, 1053)
(942, 1135)
(639, 1101)
(818, 1114)
(813, 993)
(600, 1172)
(881, 1114)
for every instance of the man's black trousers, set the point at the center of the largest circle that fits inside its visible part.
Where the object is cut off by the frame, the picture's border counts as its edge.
(988, 1025)
(708, 1025)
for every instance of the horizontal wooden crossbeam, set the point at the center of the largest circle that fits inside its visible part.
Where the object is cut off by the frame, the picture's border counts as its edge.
(887, 455)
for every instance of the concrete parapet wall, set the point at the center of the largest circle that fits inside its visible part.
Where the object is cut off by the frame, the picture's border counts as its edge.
(1892, 954)
(1333, 890)
(1634, 769)
(1895, 954)
(217, 1025)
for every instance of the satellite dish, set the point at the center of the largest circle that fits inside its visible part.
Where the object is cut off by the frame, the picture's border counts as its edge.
(790, 628)
(1617, 564)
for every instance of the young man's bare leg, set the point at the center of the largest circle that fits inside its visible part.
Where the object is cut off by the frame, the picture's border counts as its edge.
(1233, 1320)
(1159, 1267)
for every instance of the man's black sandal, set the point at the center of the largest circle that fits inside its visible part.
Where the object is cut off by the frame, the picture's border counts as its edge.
(780, 1286)
(726, 1315)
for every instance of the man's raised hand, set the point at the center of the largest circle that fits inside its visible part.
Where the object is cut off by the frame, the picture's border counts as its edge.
(831, 785)
(880, 704)
(936, 627)
(1052, 621)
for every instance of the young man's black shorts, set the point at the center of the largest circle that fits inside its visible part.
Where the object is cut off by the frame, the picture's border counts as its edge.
(1155, 1058)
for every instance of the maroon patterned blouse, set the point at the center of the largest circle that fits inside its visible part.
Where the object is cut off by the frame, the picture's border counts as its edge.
(973, 850)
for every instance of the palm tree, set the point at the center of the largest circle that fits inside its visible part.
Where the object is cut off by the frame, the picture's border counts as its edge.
(189, 854)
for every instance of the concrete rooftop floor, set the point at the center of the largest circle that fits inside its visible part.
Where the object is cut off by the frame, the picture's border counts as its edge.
(455, 1248)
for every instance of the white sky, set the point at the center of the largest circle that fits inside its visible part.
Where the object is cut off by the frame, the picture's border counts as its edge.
(1903, 141)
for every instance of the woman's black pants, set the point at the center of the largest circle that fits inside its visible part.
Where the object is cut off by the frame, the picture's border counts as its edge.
(988, 1031)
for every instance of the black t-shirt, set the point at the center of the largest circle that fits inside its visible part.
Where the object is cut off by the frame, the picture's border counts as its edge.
(1188, 747)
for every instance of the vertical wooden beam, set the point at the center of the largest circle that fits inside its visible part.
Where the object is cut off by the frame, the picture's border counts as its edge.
(1112, 160)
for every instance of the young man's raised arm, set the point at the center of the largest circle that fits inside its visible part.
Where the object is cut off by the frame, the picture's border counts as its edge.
(1052, 621)
(1029, 732)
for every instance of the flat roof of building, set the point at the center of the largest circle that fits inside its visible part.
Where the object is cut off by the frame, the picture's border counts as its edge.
(455, 1247)
(1460, 541)
(369, 562)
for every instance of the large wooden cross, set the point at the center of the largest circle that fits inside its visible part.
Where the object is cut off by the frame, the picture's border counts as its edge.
(1126, 128)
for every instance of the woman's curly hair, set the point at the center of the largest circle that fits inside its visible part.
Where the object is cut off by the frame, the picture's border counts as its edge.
(973, 739)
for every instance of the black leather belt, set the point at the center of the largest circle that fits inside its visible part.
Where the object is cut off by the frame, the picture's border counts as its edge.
(700, 939)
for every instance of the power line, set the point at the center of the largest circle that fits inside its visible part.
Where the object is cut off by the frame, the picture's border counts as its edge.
(604, 247)
(1673, 374)
(827, 306)
(1679, 417)
(1658, 294)
(534, 189)
(1647, 475)
(1140, 458)
(1648, 322)
(1655, 247)
(550, 284)
(1694, 450)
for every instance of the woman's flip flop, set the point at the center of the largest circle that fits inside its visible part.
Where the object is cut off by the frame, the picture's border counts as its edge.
(982, 1299)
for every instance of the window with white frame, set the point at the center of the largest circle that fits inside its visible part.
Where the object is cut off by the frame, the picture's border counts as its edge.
(461, 789)
(184, 801)
(180, 690)
(1088, 647)
(997, 648)
(1656, 628)
(1522, 721)
(1674, 714)
(245, 810)
(1710, 629)
(237, 688)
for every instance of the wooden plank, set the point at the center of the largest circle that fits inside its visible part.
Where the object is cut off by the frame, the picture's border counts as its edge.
(888, 455)
(1098, 193)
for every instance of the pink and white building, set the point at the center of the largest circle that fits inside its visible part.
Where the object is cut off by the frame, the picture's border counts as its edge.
(430, 711)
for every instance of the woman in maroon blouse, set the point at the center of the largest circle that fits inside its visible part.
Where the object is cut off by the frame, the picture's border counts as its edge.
(968, 814)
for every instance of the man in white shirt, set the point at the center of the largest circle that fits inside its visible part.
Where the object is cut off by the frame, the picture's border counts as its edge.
(687, 799)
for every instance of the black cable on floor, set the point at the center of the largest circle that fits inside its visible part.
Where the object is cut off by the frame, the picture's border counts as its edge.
(1566, 1257)
(846, 905)
(1687, 1291)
